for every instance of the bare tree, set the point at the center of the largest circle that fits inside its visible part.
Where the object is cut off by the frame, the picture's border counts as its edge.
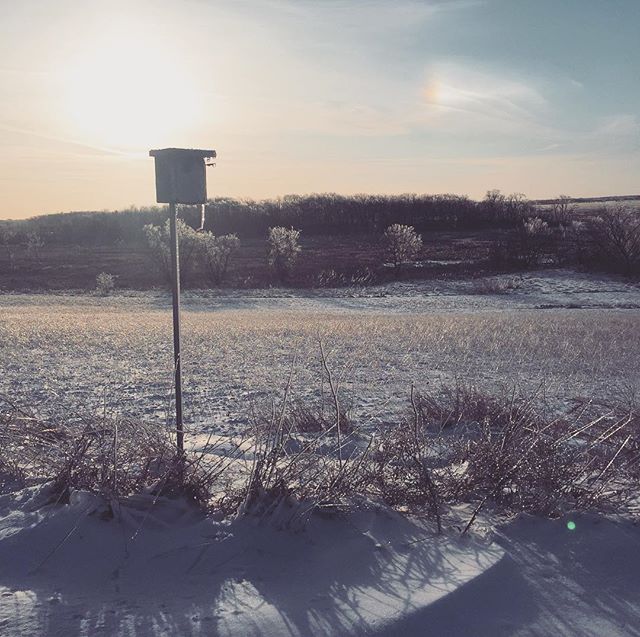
(616, 238)
(563, 210)
(7, 238)
(34, 245)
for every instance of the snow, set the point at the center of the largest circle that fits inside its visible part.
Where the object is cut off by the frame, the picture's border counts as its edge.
(165, 569)
(67, 571)
(551, 582)
(162, 568)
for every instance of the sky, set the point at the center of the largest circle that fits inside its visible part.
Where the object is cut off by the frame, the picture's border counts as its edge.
(540, 97)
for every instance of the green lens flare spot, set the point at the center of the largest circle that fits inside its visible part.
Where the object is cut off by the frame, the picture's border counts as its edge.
(571, 525)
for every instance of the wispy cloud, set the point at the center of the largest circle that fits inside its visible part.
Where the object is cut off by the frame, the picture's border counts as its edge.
(619, 125)
(614, 134)
(467, 90)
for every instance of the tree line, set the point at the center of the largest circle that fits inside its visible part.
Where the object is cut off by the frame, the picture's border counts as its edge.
(318, 214)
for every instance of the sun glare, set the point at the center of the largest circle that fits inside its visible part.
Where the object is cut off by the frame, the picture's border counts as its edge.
(131, 94)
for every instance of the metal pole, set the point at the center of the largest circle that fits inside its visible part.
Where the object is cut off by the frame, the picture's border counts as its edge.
(175, 272)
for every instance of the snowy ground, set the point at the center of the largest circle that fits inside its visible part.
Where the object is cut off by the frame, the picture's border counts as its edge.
(560, 335)
(166, 570)
(67, 571)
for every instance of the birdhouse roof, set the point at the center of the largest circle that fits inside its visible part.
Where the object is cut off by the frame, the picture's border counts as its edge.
(182, 152)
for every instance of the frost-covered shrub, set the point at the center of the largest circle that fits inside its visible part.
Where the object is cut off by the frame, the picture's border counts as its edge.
(401, 244)
(283, 248)
(105, 283)
(536, 227)
(216, 253)
(159, 241)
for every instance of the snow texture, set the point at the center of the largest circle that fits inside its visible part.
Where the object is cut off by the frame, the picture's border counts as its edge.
(167, 570)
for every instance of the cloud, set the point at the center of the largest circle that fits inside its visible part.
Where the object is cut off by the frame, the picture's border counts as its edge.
(614, 134)
(619, 125)
(482, 94)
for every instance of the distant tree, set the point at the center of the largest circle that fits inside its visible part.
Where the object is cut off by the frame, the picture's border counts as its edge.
(7, 241)
(216, 253)
(616, 238)
(563, 210)
(401, 245)
(159, 241)
(505, 209)
(34, 245)
(283, 247)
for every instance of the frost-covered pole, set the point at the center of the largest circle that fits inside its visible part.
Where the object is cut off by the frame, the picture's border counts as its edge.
(180, 179)
(175, 281)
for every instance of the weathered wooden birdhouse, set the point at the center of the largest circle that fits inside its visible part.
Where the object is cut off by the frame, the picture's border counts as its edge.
(180, 175)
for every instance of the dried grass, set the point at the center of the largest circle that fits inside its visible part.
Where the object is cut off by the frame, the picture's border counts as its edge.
(464, 447)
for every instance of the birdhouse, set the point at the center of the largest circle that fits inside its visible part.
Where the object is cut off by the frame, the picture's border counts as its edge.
(180, 175)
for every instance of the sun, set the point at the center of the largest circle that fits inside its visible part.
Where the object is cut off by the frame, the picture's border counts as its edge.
(130, 93)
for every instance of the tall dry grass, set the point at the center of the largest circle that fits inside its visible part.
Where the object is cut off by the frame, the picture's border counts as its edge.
(483, 452)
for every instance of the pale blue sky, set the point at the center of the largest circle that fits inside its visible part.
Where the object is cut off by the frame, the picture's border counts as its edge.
(297, 96)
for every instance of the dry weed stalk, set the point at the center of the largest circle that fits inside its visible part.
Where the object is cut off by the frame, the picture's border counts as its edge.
(467, 447)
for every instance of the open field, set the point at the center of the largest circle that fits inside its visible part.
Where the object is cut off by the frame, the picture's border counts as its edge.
(148, 565)
(562, 339)
(76, 267)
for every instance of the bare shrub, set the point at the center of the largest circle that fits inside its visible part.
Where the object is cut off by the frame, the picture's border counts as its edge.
(399, 469)
(534, 240)
(304, 460)
(283, 248)
(507, 453)
(464, 447)
(615, 239)
(296, 473)
(529, 247)
(305, 417)
(401, 245)
(333, 278)
(571, 243)
(105, 283)
(216, 253)
(460, 403)
(112, 457)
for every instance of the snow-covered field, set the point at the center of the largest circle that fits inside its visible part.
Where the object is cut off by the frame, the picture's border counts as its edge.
(168, 570)
(555, 334)
(68, 572)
